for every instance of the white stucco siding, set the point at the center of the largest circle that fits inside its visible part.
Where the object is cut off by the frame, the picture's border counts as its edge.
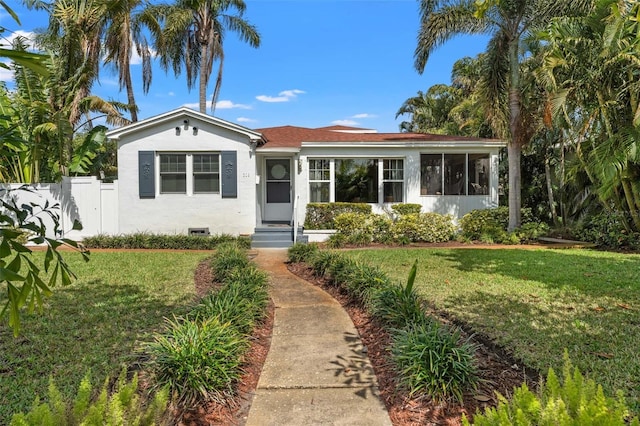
(175, 213)
(455, 205)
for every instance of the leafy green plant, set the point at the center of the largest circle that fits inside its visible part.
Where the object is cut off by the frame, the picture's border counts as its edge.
(228, 257)
(399, 306)
(607, 230)
(323, 260)
(381, 226)
(197, 360)
(322, 215)
(568, 400)
(425, 227)
(158, 241)
(406, 208)
(123, 406)
(302, 252)
(490, 225)
(431, 360)
(21, 275)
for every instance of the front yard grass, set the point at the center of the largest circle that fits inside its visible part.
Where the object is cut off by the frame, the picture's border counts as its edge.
(94, 325)
(536, 303)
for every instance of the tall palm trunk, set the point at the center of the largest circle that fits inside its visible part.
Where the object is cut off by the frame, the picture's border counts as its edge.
(203, 79)
(514, 149)
(130, 97)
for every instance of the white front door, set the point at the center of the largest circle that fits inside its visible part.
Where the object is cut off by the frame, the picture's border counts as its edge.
(278, 206)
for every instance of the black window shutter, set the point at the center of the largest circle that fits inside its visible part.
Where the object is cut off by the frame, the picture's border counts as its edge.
(229, 172)
(146, 174)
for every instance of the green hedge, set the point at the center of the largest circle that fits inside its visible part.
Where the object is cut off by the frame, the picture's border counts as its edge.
(490, 226)
(322, 215)
(406, 208)
(144, 240)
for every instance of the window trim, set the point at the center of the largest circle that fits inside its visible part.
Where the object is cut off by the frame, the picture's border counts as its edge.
(161, 174)
(189, 173)
(213, 173)
(466, 174)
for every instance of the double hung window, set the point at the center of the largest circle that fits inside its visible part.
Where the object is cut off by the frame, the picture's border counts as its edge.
(189, 173)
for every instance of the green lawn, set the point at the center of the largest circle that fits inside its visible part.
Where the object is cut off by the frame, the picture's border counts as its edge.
(536, 303)
(95, 324)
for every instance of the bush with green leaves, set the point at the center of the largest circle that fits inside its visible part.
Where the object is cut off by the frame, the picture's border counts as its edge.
(406, 208)
(198, 359)
(323, 260)
(356, 227)
(381, 226)
(145, 240)
(424, 227)
(567, 400)
(607, 229)
(322, 215)
(432, 359)
(123, 406)
(490, 226)
(21, 276)
(300, 252)
(359, 280)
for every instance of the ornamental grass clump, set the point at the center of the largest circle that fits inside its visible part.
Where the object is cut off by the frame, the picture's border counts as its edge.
(229, 256)
(432, 360)
(199, 360)
(300, 252)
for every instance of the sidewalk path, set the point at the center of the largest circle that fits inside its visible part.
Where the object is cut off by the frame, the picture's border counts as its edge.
(316, 372)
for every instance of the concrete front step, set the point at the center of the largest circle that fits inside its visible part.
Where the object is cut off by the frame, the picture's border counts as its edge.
(272, 237)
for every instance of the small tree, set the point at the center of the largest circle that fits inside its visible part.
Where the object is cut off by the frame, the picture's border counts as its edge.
(22, 277)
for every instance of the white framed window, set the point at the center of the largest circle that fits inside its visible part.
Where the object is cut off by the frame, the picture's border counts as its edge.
(356, 180)
(173, 173)
(319, 180)
(206, 173)
(189, 173)
(393, 180)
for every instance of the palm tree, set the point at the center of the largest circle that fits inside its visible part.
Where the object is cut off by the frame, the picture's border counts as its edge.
(123, 33)
(507, 22)
(191, 33)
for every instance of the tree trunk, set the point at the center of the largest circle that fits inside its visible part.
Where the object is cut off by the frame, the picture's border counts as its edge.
(515, 147)
(552, 203)
(204, 79)
(133, 108)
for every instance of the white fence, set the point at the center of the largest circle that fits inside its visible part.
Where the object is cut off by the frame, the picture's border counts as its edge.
(86, 199)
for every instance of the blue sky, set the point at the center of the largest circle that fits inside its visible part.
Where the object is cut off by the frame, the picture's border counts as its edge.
(321, 62)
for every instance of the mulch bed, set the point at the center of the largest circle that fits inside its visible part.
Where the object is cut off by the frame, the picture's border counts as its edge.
(500, 372)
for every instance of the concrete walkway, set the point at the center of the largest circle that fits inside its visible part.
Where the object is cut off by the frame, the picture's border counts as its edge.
(316, 372)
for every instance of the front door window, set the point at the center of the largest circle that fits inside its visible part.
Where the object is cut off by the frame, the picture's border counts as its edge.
(278, 181)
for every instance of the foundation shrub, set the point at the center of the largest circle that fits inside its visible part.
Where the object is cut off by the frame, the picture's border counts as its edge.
(381, 228)
(159, 241)
(424, 227)
(432, 360)
(567, 400)
(302, 252)
(490, 226)
(322, 215)
(123, 406)
(406, 208)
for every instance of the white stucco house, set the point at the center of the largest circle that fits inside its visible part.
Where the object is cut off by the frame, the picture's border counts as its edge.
(184, 170)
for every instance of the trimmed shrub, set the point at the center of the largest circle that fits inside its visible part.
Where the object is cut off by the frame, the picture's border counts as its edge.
(431, 360)
(158, 241)
(322, 215)
(358, 279)
(323, 261)
(573, 400)
(199, 360)
(122, 407)
(381, 226)
(425, 227)
(302, 252)
(490, 225)
(406, 208)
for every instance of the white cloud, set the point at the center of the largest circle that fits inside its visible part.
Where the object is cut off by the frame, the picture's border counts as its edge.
(137, 59)
(364, 115)
(344, 122)
(5, 74)
(171, 94)
(29, 35)
(226, 104)
(284, 96)
(246, 120)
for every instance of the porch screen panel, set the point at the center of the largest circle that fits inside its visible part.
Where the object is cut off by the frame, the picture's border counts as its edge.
(454, 174)
(478, 170)
(431, 174)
